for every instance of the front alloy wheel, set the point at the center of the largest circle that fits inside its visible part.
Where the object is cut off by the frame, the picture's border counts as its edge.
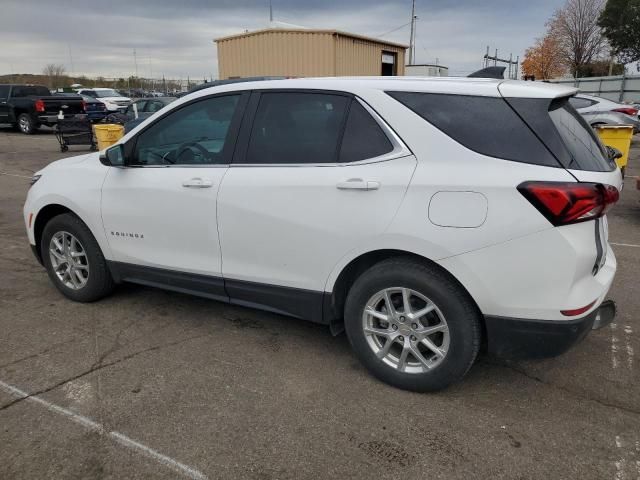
(73, 259)
(405, 330)
(69, 260)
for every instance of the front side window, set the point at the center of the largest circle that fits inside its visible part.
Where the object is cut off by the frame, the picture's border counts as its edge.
(4, 92)
(191, 135)
(296, 128)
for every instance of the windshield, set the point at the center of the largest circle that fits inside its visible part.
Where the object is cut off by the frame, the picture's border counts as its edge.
(587, 152)
(107, 93)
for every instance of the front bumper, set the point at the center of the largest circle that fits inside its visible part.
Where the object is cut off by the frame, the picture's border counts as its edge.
(517, 338)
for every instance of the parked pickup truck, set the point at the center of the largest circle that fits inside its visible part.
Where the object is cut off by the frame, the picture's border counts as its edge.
(29, 106)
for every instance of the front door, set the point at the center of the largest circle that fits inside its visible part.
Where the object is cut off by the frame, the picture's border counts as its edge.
(159, 212)
(315, 176)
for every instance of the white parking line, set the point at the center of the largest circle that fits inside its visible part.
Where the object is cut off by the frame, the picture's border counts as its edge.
(15, 175)
(628, 331)
(624, 245)
(620, 464)
(118, 437)
(614, 346)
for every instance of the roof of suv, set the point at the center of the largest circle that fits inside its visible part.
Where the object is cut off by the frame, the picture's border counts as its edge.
(447, 85)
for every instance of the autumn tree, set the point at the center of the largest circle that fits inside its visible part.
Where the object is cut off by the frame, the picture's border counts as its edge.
(580, 39)
(620, 23)
(544, 59)
(54, 72)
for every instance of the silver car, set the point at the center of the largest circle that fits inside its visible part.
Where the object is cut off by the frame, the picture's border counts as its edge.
(600, 111)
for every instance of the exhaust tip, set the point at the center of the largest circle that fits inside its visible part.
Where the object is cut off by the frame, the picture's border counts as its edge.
(605, 314)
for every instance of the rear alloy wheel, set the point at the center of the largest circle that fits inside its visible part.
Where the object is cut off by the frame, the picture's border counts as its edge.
(26, 124)
(405, 330)
(412, 325)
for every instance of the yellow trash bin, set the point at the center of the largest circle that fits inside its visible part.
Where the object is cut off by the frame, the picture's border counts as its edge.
(617, 136)
(108, 134)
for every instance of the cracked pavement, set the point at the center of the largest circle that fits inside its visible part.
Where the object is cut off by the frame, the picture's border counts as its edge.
(238, 393)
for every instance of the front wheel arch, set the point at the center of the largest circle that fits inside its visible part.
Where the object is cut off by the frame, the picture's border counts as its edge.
(45, 214)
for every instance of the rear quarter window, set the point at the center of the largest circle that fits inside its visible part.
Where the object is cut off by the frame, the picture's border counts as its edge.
(486, 125)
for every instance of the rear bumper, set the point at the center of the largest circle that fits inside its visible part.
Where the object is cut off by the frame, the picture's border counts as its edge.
(526, 338)
(50, 119)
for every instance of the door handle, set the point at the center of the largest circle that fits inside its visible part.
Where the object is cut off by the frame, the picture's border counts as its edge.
(197, 182)
(358, 184)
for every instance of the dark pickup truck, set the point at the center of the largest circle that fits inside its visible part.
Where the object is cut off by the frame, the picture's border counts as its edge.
(29, 106)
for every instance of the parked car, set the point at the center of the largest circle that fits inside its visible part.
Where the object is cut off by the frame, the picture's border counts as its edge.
(29, 106)
(110, 97)
(145, 108)
(426, 217)
(600, 111)
(95, 109)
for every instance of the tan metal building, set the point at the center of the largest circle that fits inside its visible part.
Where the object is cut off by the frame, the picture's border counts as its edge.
(306, 53)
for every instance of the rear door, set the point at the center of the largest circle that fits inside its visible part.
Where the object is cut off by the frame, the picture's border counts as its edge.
(315, 175)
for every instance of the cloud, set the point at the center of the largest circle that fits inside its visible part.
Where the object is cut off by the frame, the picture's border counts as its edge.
(175, 38)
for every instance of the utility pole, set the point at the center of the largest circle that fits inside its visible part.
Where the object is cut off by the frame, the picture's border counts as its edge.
(270, 13)
(135, 62)
(412, 34)
(70, 59)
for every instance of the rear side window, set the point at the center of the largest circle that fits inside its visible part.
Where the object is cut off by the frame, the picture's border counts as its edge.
(580, 102)
(578, 137)
(4, 92)
(27, 91)
(363, 137)
(486, 125)
(297, 128)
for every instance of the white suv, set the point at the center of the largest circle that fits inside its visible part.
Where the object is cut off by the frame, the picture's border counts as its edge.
(114, 101)
(427, 216)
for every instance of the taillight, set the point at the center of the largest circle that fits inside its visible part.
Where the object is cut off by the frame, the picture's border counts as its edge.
(563, 203)
(577, 311)
(628, 110)
(84, 106)
(39, 104)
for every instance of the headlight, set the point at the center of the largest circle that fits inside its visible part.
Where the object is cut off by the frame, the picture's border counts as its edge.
(34, 179)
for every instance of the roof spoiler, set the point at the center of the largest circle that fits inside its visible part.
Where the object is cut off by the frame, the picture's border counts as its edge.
(489, 72)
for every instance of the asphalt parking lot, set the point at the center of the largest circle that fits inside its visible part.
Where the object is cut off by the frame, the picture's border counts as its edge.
(152, 384)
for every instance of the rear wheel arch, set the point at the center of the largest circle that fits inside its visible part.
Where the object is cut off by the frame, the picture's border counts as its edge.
(335, 303)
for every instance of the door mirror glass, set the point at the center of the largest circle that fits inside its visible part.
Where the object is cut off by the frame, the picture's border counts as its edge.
(113, 156)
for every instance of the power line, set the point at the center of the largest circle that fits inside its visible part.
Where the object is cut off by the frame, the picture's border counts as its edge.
(394, 30)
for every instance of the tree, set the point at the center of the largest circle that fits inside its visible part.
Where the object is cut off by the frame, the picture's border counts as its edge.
(54, 71)
(580, 39)
(544, 59)
(620, 23)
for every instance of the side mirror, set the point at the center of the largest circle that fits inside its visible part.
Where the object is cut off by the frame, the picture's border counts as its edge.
(614, 153)
(113, 156)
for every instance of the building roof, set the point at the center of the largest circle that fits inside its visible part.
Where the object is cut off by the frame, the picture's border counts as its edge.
(310, 31)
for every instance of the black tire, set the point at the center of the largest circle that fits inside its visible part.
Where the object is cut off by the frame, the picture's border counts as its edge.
(462, 316)
(26, 124)
(99, 282)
